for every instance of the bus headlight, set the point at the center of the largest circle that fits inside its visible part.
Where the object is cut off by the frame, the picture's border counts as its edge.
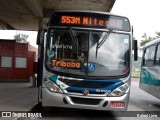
(53, 87)
(121, 90)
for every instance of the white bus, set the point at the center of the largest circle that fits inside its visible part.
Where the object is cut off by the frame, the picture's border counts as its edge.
(150, 68)
(85, 61)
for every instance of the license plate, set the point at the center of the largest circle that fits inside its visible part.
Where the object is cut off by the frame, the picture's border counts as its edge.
(117, 104)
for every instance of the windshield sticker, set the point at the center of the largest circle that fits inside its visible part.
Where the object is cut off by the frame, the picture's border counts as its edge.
(125, 40)
(66, 63)
(91, 67)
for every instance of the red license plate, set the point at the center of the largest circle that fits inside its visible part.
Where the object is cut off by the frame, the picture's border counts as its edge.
(117, 104)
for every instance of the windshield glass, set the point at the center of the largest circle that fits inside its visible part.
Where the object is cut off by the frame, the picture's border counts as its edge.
(78, 52)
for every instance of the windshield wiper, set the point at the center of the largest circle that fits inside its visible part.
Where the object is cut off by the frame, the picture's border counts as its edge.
(99, 44)
(74, 39)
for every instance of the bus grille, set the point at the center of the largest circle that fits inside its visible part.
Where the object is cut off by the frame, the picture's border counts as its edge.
(90, 92)
(86, 101)
(85, 84)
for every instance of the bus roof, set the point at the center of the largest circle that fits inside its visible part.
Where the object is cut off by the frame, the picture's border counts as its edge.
(155, 41)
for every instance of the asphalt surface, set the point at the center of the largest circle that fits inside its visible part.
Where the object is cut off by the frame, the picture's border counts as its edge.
(17, 96)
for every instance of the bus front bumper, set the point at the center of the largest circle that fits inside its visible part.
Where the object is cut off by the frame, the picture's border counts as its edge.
(84, 102)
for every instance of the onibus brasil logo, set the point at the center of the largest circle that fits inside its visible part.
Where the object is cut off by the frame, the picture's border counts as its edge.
(20, 114)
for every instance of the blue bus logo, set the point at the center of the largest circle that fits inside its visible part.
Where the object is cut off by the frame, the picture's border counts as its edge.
(92, 67)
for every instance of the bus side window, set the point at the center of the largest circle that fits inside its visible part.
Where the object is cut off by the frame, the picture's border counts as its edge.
(158, 55)
(143, 57)
(149, 56)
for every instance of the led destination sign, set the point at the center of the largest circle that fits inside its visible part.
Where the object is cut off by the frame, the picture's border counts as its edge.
(90, 20)
(66, 63)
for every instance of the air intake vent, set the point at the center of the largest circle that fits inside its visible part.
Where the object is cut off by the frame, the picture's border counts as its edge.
(85, 101)
(90, 92)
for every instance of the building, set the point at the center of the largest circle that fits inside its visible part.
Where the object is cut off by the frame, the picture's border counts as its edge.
(17, 61)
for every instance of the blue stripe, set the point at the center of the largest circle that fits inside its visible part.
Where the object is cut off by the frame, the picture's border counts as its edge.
(109, 88)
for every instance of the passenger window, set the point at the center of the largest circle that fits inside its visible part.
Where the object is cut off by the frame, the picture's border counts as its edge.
(149, 56)
(158, 55)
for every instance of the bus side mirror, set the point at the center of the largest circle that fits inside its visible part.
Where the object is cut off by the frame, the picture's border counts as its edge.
(40, 36)
(135, 46)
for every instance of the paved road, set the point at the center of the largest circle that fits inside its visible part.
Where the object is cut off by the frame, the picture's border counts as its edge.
(22, 97)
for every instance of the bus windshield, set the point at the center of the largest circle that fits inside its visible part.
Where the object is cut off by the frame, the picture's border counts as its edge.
(77, 52)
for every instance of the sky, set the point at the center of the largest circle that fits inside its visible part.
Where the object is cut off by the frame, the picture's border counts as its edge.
(143, 15)
(9, 34)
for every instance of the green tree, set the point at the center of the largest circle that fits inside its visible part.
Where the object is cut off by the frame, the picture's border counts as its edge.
(145, 39)
(158, 34)
(21, 38)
